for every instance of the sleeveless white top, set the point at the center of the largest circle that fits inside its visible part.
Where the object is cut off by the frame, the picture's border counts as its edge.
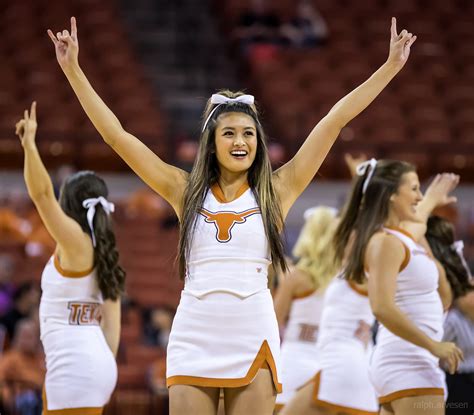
(346, 308)
(417, 291)
(69, 299)
(229, 250)
(304, 317)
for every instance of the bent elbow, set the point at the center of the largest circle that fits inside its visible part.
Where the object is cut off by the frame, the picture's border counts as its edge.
(334, 121)
(109, 138)
(112, 134)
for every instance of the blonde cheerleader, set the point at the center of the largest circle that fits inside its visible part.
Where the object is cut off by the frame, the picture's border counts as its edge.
(299, 300)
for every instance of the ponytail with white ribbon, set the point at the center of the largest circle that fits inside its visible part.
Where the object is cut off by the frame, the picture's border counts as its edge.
(362, 169)
(222, 99)
(90, 205)
(458, 246)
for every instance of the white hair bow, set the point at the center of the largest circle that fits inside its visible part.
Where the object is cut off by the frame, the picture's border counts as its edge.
(90, 205)
(222, 99)
(362, 169)
(458, 246)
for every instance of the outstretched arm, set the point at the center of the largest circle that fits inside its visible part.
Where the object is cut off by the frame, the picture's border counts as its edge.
(64, 230)
(167, 180)
(292, 178)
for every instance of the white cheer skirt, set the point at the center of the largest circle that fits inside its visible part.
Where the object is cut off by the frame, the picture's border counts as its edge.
(222, 340)
(342, 382)
(299, 363)
(400, 369)
(81, 372)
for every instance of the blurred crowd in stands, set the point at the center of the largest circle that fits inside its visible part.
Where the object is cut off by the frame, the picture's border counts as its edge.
(259, 25)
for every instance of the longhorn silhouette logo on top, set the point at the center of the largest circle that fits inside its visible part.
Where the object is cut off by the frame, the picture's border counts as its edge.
(225, 221)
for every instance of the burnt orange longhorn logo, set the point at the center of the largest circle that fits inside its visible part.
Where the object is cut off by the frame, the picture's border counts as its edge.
(225, 221)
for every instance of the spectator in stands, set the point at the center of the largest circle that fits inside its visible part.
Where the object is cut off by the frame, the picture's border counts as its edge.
(38, 242)
(459, 328)
(307, 28)
(22, 370)
(61, 174)
(146, 204)
(25, 302)
(259, 25)
(157, 377)
(157, 327)
(12, 226)
(157, 330)
(186, 153)
(7, 269)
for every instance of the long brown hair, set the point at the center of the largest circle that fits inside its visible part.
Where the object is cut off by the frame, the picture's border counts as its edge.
(440, 236)
(205, 173)
(78, 187)
(365, 214)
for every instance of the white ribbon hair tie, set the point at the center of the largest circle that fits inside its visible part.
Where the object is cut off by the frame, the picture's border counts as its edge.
(222, 99)
(362, 169)
(458, 246)
(90, 205)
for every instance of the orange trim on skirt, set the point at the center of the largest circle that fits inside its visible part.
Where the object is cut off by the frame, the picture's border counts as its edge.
(69, 411)
(264, 357)
(404, 393)
(331, 406)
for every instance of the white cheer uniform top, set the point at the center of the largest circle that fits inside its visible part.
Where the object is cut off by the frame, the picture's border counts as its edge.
(229, 250)
(346, 310)
(417, 290)
(69, 299)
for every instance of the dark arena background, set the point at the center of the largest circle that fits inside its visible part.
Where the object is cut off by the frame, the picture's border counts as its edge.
(155, 63)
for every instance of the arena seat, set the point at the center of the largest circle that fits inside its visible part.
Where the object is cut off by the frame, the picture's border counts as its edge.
(427, 99)
(33, 74)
